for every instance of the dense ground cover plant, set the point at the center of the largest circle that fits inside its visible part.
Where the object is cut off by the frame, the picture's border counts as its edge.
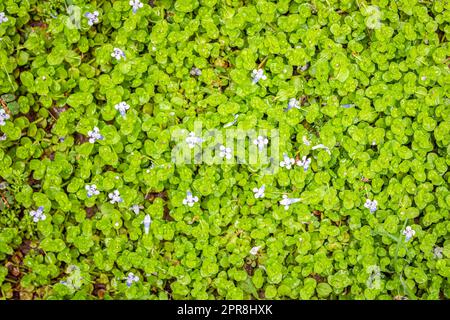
(92, 205)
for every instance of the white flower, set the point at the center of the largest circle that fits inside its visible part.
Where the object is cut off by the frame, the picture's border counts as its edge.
(259, 192)
(254, 250)
(347, 105)
(321, 146)
(92, 17)
(258, 75)
(437, 252)
(3, 18)
(91, 190)
(293, 103)
(371, 205)
(118, 54)
(305, 163)
(225, 152)
(287, 162)
(115, 197)
(135, 4)
(192, 140)
(136, 208)
(306, 142)
(131, 278)
(38, 214)
(122, 107)
(189, 200)
(3, 116)
(286, 202)
(409, 233)
(94, 135)
(260, 142)
(147, 222)
(195, 72)
(3, 137)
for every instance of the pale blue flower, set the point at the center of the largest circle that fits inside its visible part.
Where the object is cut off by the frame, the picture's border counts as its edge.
(225, 152)
(122, 107)
(38, 215)
(91, 190)
(147, 222)
(287, 162)
(136, 208)
(92, 17)
(131, 278)
(192, 140)
(254, 250)
(135, 4)
(293, 103)
(286, 202)
(305, 163)
(409, 233)
(94, 135)
(371, 205)
(190, 200)
(261, 142)
(3, 116)
(118, 54)
(115, 197)
(195, 72)
(259, 192)
(3, 18)
(258, 75)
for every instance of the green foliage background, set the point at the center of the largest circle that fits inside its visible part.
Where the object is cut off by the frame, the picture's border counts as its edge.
(389, 59)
